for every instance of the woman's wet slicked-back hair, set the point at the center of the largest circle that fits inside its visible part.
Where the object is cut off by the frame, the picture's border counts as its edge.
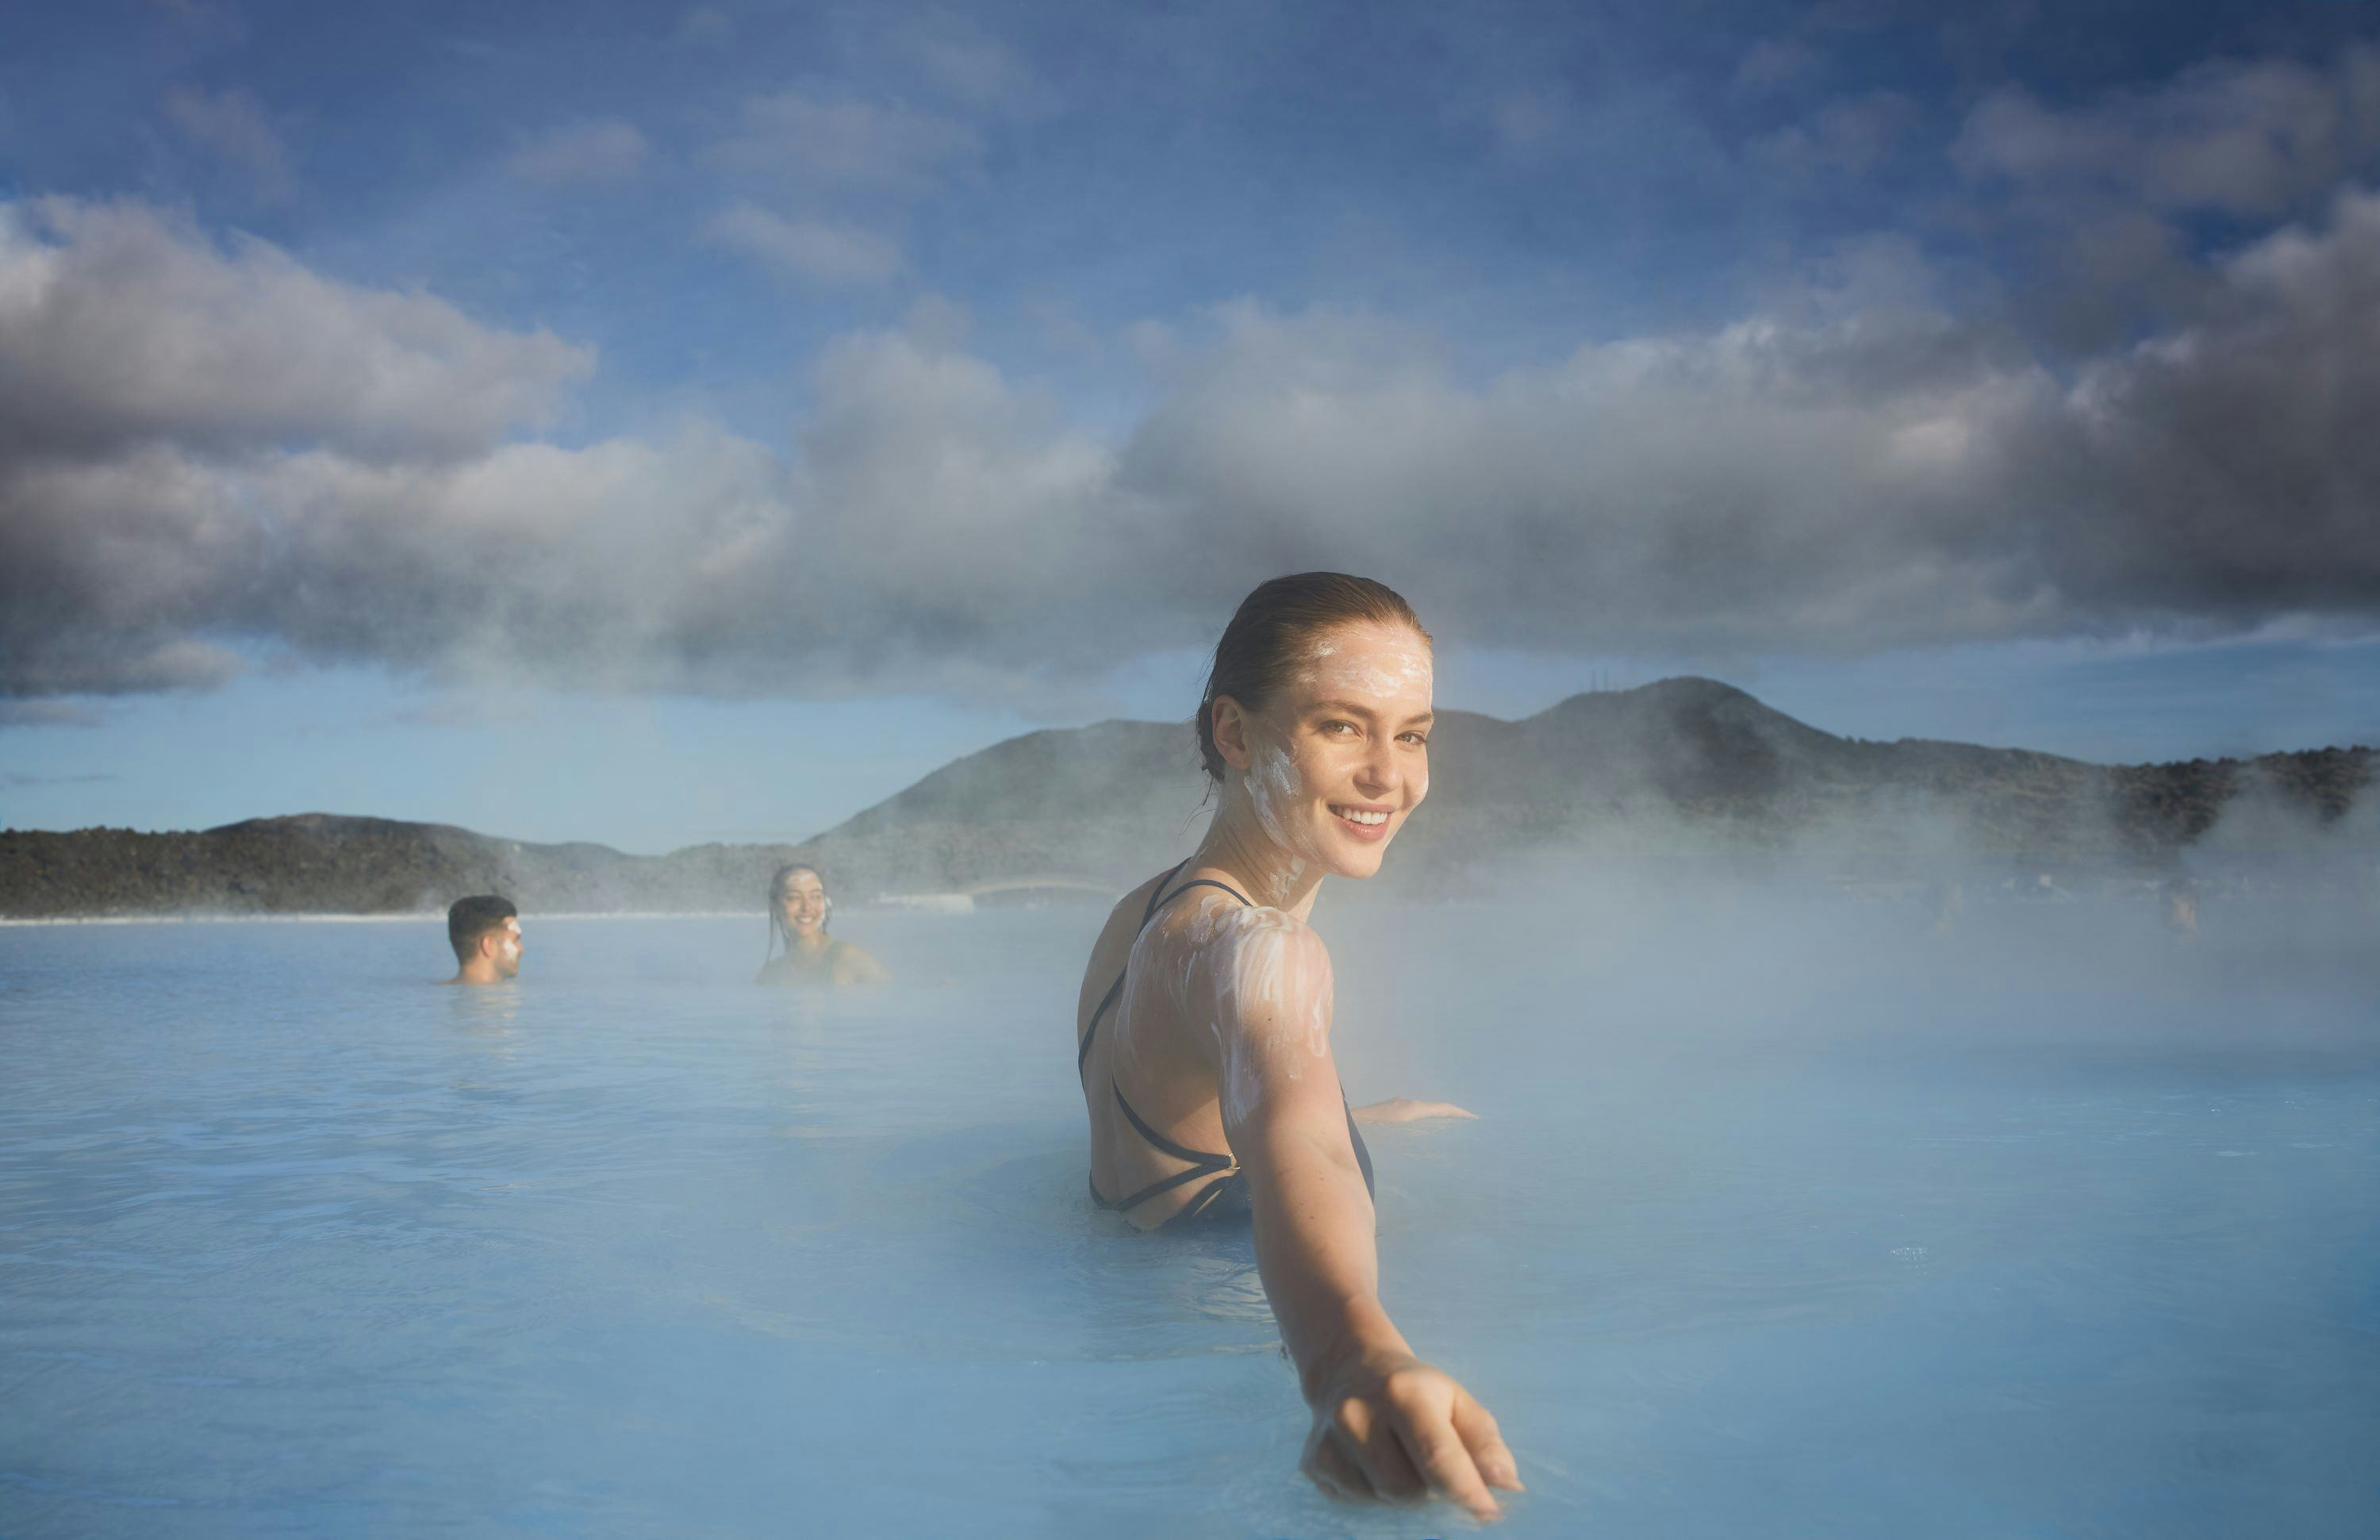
(1275, 628)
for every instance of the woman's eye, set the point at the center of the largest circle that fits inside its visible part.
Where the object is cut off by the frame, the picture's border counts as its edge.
(1415, 739)
(1339, 729)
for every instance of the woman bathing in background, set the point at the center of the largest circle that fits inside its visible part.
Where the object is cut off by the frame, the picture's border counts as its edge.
(797, 910)
(1204, 1025)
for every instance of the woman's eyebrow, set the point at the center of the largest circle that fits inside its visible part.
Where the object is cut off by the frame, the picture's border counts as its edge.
(1347, 707)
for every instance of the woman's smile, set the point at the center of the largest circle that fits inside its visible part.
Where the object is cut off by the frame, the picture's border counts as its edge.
(1364, 822)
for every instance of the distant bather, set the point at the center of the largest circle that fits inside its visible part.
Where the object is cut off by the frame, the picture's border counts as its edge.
(485, 932)
(798, 908)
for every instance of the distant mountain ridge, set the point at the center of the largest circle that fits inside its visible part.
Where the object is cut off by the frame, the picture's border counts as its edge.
(1683, 765)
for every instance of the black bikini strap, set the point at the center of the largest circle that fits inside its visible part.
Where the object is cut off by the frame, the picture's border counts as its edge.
(1189, 1212)
(1083, 1054)
(1197, 883)
(1158, 897)
(1195, 1157)
(1106, 1002)
(1202, 1164)
(1156, 901)
(1195, 1206)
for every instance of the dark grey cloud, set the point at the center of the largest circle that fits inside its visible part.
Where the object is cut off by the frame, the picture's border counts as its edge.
(2107, 193)
(2243, 138)
(268, 462)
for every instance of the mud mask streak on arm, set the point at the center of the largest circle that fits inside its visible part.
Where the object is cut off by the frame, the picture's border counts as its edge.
(1271, 995)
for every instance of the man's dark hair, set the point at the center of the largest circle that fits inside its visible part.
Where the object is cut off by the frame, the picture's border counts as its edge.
(467, 920)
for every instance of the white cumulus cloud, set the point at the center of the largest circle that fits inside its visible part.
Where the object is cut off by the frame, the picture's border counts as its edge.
(264, 458)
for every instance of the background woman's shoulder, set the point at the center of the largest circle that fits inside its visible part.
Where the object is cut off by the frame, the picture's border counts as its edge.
(849, 964)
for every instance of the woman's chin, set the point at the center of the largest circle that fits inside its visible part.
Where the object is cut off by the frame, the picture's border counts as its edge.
(1354, 861)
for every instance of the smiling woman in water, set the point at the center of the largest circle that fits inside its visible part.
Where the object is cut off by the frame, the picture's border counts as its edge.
(1203, 1030)
(798, 907)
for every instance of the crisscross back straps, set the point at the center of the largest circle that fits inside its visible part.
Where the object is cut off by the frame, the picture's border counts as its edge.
(1157, 900)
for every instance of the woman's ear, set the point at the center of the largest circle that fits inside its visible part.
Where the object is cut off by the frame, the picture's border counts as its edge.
(1232, 726)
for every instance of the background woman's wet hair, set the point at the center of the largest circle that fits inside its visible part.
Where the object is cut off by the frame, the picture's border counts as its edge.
(1271, 633)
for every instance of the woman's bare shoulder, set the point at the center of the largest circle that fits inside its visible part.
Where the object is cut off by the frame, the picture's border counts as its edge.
(1116, 939)
(1245, 956)
(851, 965)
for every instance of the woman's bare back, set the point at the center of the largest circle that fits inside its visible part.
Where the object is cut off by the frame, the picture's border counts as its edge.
(1181, 957)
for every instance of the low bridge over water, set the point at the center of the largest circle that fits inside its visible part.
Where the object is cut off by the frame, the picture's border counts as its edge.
(959, 900)
(990, 885)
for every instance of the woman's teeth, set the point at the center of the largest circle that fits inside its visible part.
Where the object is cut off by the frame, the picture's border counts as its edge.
(1352, 816)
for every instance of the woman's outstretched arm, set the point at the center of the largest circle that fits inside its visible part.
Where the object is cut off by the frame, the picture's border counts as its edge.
(1386, 1424)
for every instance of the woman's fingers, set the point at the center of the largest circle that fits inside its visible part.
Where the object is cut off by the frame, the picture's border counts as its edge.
(1476, 1426)
(1364, 1435)
(1329, 1467)
(1383, 1457)
(1414, 1434)
(1446, 1464)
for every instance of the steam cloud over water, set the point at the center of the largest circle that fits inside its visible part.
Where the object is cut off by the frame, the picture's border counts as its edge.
(206, 449)
(1756, 1181)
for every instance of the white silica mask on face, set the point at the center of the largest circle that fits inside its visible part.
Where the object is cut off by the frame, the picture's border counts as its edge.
(1383, 672)
(1274, 788)
(1392, 675)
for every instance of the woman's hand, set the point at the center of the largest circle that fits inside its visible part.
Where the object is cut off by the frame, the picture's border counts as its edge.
(1390, 1428)
(1404, 1110)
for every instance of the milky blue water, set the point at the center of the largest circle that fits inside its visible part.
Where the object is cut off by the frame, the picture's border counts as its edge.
(1774, 1223)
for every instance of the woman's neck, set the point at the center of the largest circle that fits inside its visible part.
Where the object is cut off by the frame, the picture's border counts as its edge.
(809, 945)
(1237, 845)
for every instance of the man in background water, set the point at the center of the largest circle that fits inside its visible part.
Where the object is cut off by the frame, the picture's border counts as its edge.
(485, 931)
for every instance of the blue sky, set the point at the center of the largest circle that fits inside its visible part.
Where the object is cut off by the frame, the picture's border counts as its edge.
(654, 424)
